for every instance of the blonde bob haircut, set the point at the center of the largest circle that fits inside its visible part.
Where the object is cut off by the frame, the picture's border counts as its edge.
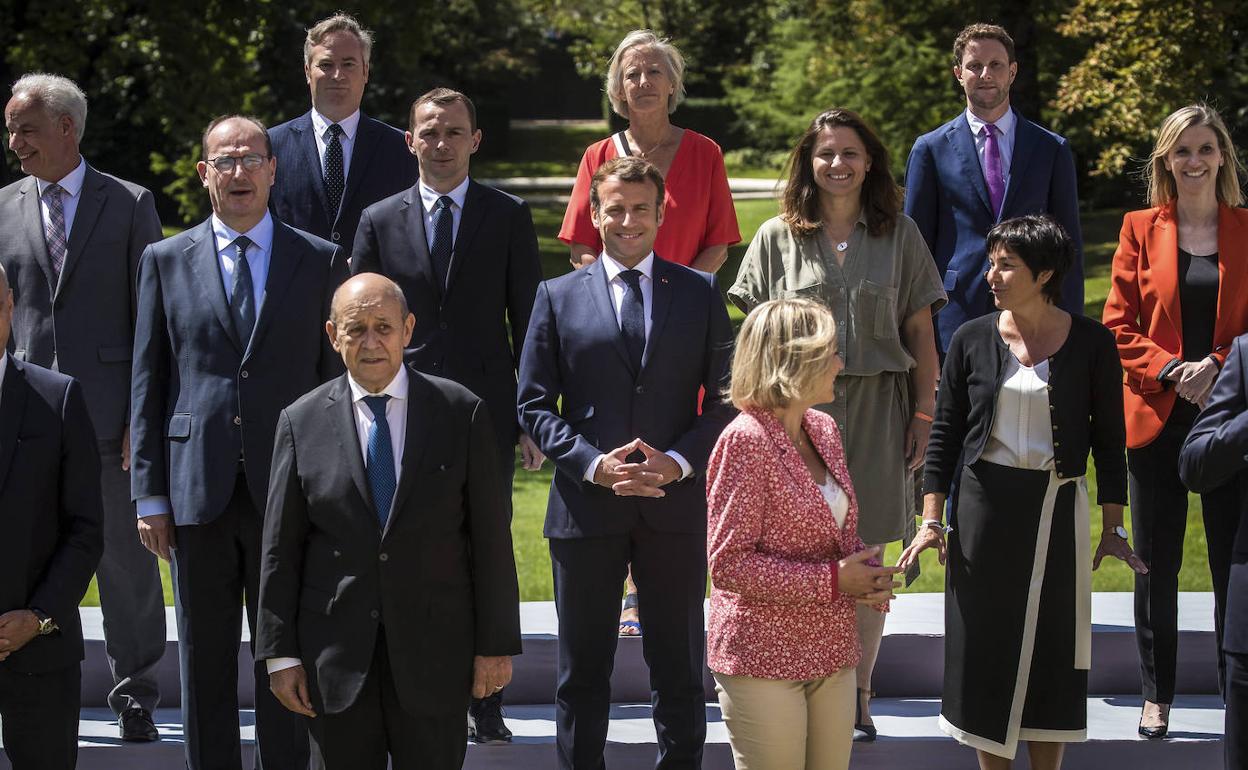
(647, 40)
(784, 350)
(1161, 187)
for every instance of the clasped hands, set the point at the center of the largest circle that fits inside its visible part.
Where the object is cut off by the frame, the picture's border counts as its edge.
(17, 628)
(643, 479)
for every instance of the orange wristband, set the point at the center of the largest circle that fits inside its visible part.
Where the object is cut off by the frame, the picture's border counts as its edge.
(924, 416)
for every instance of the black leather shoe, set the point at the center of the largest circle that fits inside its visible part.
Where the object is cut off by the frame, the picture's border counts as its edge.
(136, 725)
(485, 720)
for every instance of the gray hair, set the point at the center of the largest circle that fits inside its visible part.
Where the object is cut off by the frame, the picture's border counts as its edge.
(339, 22)
(58, 96)
(644, 38)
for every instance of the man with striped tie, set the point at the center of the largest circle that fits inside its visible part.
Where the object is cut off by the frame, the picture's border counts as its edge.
(388, 585)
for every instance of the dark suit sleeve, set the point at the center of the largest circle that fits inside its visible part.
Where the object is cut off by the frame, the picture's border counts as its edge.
(331, 365)
(1216, 448)
(496, 593)
(365, 253)
(144, 231)
(921, 192)
(524, 273)
(65, 578)
(1064, 206)
(149, 473)
(281, 552)
(696, 444)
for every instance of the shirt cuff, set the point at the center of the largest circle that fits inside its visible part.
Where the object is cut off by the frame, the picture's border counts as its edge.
(686, 470)
(281, 664)
(153, 506)
(593, 468)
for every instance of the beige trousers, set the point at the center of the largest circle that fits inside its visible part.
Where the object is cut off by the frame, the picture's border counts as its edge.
(780, 724)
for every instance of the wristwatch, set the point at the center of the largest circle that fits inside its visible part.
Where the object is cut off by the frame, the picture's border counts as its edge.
(46, 624)
(1121, 532)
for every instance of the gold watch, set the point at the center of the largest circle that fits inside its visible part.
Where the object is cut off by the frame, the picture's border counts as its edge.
(46, 624)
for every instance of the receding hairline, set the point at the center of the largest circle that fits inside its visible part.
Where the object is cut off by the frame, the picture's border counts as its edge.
(368, 294)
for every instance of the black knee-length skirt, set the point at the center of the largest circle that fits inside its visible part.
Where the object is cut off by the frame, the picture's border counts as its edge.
(1018, 599)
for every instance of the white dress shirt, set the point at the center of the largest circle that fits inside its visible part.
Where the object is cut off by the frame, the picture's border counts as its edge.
(429, 199)
(4, 365)
(258, 254)
(71, 183)
(1022, 430)
(396, 416)
(320, 129)
(618, 287)
(1005, 140)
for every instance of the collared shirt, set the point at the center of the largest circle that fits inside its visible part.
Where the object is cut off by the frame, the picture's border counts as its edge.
(258, 255)
(1005, 139)
(429, 199)
(396, 416)
(4, 365)
(320, 129)
(71, 183)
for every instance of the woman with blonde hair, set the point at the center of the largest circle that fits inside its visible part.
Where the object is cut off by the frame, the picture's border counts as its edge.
(1175, 304)
(787, 566)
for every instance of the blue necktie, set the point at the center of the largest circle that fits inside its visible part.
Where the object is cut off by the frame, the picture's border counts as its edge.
(442, 241)
(242, 294)
(380, 459)
(633, 318)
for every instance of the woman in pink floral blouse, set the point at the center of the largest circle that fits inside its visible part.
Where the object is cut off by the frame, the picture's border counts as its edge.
(786, 563)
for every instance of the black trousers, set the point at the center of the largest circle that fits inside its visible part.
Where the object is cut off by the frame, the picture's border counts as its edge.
(1235, 743)
(39, 715)
(376, 729)
(216, 569)
(1159, 523)
(670, 572)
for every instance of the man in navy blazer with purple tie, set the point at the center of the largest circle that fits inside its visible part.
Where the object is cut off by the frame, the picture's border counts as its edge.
(987, 165)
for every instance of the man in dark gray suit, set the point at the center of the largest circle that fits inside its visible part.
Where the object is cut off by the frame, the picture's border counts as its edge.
(70, 239)
(228, 334)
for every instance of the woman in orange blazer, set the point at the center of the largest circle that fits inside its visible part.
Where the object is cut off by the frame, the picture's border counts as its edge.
(1178, 297)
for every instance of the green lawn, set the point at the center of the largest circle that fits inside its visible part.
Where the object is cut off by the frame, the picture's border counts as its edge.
(1100, 231)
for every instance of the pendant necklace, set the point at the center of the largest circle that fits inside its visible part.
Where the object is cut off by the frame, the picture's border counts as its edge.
(842, 246)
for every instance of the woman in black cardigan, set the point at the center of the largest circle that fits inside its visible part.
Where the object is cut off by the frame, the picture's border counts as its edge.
(1024, 395)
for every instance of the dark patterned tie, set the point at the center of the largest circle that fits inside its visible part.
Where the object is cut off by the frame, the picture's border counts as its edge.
(443, 237)
(335, 180)
(633, 318)
(54, 229)
(242, 293)
(380, 459)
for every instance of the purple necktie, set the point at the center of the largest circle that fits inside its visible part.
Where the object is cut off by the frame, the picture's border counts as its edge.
(54, 229)
(992, 168)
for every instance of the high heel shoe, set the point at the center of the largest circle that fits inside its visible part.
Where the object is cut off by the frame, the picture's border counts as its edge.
(1158, 731)
(863, 733)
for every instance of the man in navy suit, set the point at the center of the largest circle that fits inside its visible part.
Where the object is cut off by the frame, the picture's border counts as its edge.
(70, 238)
(610, 375)
(466, 258)
(1215, 454)
(50, 542)
(986, 165)
(336, 160)
(228, 334)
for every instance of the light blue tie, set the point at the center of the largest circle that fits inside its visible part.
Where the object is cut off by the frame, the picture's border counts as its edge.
(380, 459)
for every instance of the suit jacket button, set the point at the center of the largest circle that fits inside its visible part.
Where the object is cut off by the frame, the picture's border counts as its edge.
(374, 614)
(442, 325)
(384, 557)
(336, 237)
(244, 374)
(639, 389)
(238, 420)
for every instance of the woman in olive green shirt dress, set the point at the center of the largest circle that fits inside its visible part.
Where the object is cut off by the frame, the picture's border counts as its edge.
(842, 240)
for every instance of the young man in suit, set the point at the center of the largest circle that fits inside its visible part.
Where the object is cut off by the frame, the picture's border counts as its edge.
(335, 159)
(384, 512)
(986, 165)
(50, 498)
(610, 375)
(70, 239)
(465, 256)
(228, 335)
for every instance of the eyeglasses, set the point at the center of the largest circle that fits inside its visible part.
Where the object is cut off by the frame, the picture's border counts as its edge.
(224, 164)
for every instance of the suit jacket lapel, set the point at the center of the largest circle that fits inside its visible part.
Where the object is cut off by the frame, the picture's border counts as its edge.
(661, 298)
(596, 284)
(363, 147)
(32, 217)
(202, 254)
(1162, 247)
(963, 144)
(469, 222)
(420, 421)
(13, 397)
(282, 265)
(341, 413)
(312, 160)
(91, 200)
(1231, 248)
(413, 211)
(1026, 134)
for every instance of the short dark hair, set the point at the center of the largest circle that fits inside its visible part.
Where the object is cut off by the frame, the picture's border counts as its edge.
(881, 197)
(629, 168)
(442, 97)
(1041, 243)
(981, 32)
(203, 142)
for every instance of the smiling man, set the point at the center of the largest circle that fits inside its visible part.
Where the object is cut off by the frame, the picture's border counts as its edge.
(336, 160)
(987, 165)
(228, 334)
(615, 356)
